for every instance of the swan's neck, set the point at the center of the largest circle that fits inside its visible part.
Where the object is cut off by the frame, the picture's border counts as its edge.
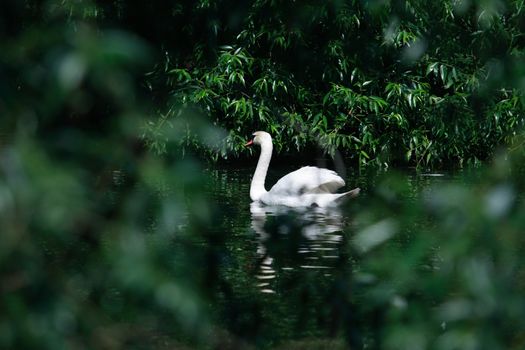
(257, 187)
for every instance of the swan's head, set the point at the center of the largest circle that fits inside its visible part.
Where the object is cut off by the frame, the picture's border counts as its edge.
(259, 138)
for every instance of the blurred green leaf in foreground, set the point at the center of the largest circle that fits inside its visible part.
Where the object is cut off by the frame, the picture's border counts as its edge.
(79, 193)
(445, 271)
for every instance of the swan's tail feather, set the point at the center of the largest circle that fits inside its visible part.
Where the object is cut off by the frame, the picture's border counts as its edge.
(347, 195)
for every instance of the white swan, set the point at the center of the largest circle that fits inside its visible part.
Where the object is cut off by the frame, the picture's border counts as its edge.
(308, 186)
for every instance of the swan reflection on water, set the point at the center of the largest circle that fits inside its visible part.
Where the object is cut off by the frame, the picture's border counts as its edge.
(295, 238)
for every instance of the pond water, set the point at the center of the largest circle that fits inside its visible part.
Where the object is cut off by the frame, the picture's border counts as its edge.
(284, 276)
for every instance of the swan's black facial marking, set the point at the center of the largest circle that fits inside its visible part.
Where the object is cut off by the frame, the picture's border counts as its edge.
(255, 138)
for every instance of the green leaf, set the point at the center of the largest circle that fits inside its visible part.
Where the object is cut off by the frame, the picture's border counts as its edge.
(443, 73)
(431, 68)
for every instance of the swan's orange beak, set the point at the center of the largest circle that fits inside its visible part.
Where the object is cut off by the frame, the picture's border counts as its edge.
(249, 143)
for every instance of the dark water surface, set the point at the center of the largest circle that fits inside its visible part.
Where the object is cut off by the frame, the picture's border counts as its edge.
(285, 276)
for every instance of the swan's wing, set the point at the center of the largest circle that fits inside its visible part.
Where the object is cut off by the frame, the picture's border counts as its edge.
(307, 180)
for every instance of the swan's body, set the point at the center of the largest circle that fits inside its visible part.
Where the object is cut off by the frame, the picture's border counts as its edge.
(308, 186)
